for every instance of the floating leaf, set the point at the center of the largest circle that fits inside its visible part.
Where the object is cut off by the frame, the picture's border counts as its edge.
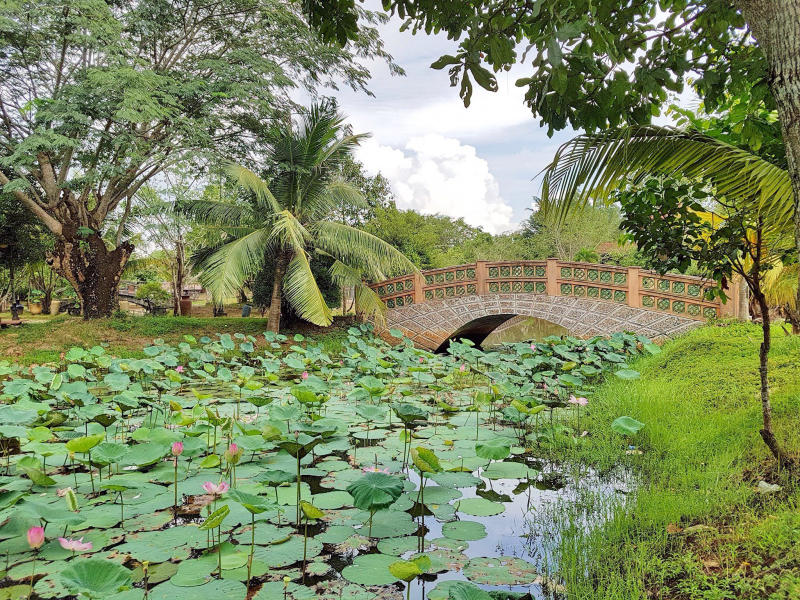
(95, 577)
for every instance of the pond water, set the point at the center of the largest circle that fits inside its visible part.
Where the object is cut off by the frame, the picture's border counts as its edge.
(530, 528)
(523, 329)
(348, 433)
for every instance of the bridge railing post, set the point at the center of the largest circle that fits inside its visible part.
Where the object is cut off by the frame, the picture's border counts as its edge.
(481, 273)
(419, 292)
(633, 287)
(551, 272)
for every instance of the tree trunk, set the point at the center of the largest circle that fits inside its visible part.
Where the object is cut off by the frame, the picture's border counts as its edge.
(177, 282)
(274, 315)
(776, 26)
(92, 269)
(767, 432)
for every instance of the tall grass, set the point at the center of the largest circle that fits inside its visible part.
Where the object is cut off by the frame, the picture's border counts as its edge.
(700, 462)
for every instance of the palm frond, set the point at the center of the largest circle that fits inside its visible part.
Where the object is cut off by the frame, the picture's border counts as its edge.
(145, 263)
(225, 269)
(245, 178)
(367, 301)
(302, 293)
(590, 167)
(288, 232)
(780, 285)
(372, 256)
(320, 204)
(215, 212)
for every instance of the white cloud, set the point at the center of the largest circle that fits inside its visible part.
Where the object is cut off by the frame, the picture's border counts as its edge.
(437, 174)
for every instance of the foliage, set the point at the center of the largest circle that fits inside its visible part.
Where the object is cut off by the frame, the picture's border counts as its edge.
(320, 269)
(248, 395)
(153, 292)
(582, 229)
(375, 190)
(98, 99)
(420, 237)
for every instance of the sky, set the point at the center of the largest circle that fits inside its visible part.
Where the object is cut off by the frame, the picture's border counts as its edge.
(477, 163)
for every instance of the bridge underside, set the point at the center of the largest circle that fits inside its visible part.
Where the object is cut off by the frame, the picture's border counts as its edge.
(431, 324)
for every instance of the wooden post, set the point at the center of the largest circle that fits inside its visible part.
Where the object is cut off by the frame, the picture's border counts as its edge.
(737, 304)
(552, 272)
(419, 293)
(633, 287)
(481, 272)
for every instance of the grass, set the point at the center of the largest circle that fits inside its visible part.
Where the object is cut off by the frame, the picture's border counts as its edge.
(42, 341)
(702, 459)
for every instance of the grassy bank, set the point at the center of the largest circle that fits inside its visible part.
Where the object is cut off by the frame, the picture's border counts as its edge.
(696, 526)
(43, 341)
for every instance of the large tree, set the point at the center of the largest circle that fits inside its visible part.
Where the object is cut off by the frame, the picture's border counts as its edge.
(288, 215)
(598, 64)
(98, 97)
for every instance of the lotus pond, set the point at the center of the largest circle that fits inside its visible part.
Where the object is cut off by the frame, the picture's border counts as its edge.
(232, 467)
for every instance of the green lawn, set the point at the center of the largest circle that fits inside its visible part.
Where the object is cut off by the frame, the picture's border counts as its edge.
(43, 340)
(702, 459)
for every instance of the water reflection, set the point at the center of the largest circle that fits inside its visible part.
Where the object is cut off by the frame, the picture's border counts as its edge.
(522, 329)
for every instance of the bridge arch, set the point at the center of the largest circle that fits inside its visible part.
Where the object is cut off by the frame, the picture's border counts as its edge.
(586, 299)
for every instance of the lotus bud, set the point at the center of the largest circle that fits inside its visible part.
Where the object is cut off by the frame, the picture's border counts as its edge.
(35, 537)
(177, 448)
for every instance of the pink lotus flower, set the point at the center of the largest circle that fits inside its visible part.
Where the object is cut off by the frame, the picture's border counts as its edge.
(533, 346)
(233, 453)
(179, 368)
(35, 537)
(462, 368)
(304, 376)
(177, 448)
(375, 470)
(421, 360)
(75, 545)
(216, 489)
(578, 401)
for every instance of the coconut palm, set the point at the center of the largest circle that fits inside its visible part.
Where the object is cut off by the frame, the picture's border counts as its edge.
(287, 219)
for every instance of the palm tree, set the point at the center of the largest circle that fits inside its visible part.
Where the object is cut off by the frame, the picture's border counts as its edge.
(288, 217)
(590, 168)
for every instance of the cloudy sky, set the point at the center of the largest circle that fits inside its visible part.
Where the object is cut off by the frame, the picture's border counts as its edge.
(475, 163)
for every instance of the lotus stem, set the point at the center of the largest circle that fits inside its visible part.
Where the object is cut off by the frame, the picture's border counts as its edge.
(33, 575)
(175, 503)
(298, 491)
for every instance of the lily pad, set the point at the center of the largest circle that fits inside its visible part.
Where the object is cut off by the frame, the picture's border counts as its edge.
(479, 507)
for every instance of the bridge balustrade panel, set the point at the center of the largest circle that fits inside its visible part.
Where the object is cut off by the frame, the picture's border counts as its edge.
(681, 295)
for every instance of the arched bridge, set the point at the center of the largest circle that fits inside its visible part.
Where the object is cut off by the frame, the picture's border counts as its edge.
(470, 301)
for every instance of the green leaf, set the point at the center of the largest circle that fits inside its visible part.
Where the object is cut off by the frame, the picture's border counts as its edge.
(626, 425)
(254, 504)
(496, 448)
(95, 577)
(627, 374)
(462, 590)
(216, 518)
(425, 460)
(374, 491)
(310, 511)
(406, 570)
(82, 445)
